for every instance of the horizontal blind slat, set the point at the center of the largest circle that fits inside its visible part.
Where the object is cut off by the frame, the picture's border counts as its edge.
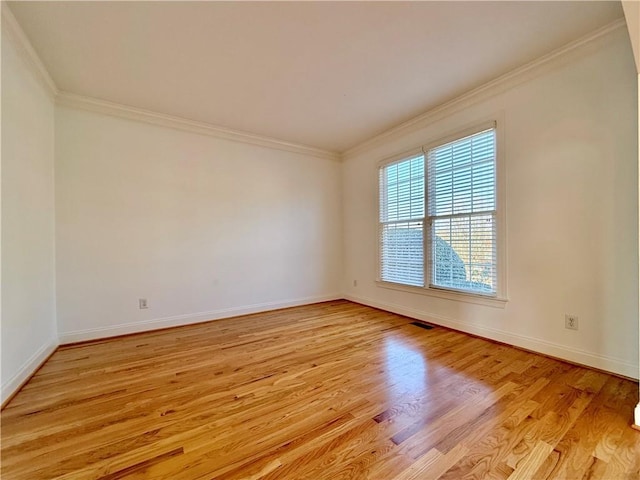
(402, 209)
(462, 202)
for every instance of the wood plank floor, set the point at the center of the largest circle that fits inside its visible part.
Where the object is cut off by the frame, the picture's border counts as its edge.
(327, 391)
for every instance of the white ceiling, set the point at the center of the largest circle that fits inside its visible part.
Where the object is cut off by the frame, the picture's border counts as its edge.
(322, 74)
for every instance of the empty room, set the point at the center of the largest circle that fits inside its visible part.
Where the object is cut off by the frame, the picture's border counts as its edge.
(319, 240)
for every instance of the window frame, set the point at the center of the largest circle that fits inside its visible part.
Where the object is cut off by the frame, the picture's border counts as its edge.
(387, 162)
(498, 299)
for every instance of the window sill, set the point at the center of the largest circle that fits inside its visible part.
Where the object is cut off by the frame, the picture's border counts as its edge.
(447, 294)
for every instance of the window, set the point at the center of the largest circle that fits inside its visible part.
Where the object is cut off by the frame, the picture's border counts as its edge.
(439, 216)
(402, 221)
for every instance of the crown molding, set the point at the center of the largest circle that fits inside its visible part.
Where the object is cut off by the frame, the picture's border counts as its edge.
(509, 80)
(14, 32)
(498, 85)
(16, 35)
(72, 100)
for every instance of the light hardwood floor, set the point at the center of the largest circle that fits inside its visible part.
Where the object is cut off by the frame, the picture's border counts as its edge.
(327, 391)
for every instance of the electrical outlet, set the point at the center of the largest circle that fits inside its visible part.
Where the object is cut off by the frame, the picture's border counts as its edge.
(571, 321)
(142, 303)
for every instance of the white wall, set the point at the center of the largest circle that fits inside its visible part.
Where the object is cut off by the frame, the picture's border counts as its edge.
(571, 150)
(632, 15)
(201, 227)
(28, 327)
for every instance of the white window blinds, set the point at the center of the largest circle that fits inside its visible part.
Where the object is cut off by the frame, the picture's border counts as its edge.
(462, 214)
(402, 210)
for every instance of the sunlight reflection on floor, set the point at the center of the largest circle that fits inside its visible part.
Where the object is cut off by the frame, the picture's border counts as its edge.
(405, 368)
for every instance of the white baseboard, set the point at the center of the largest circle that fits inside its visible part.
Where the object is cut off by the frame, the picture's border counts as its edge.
(188, 319)
(29, 367)
(583, 357)
(636, 415)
